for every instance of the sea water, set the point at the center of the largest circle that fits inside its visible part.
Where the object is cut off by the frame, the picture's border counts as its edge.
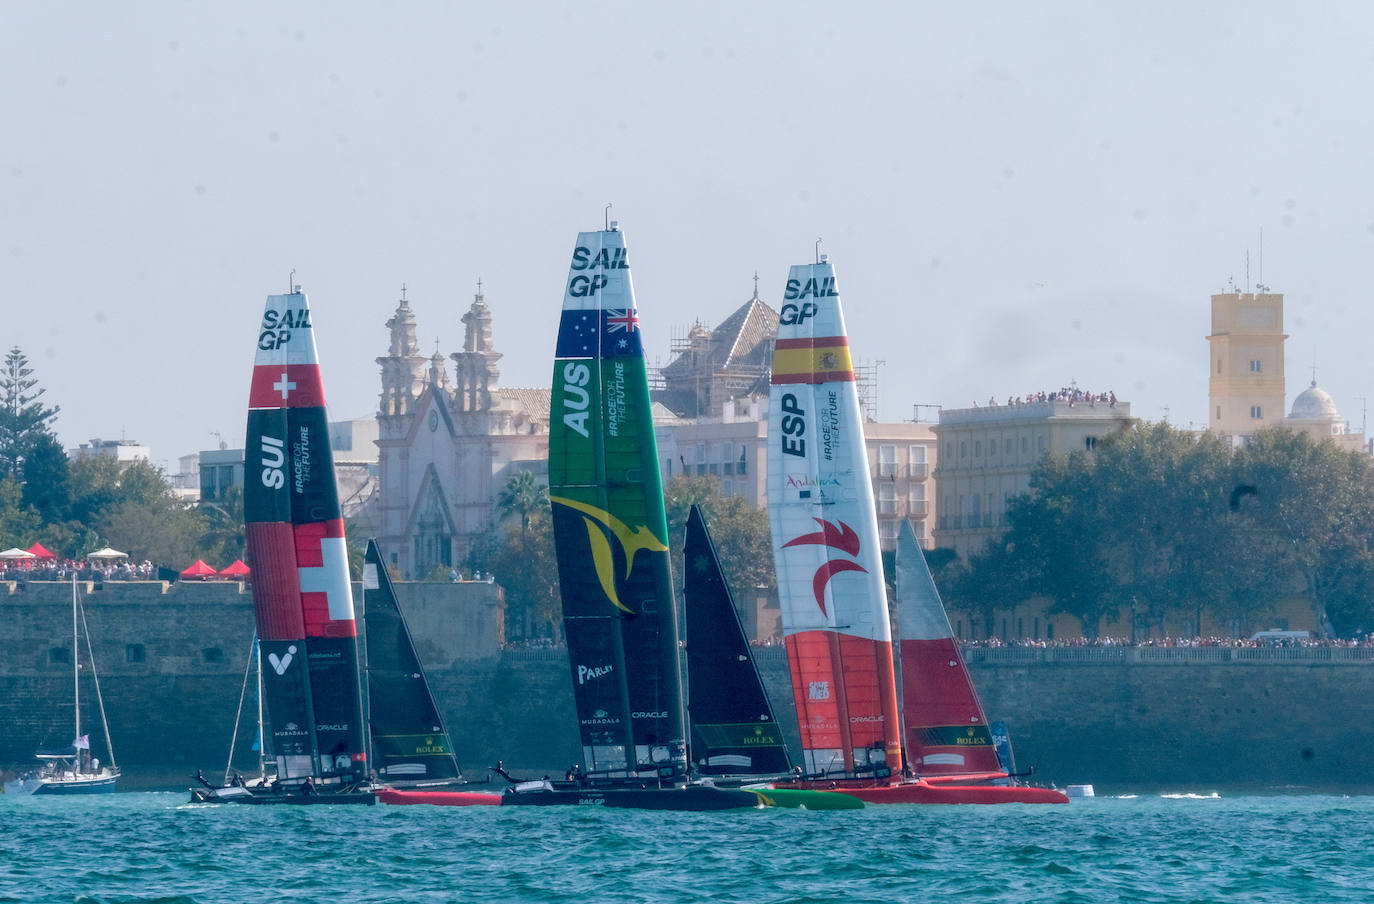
(156, 847)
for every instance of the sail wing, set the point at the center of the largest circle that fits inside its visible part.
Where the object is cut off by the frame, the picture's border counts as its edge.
(409, 740)
(610, 532)
(734, 729)
(946, 730)
(825, 538)
(302, 597)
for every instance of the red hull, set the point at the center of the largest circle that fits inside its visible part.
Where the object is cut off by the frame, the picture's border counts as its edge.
(440, 798)
(922, 792)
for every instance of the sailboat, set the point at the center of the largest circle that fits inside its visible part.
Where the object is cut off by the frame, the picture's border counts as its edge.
(736, 738)
(73, 769)
(611, 539)
(835, 617)
(412, 751)
(302, 596)
(950, 744)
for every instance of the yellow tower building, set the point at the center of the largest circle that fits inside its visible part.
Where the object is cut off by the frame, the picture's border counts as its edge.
(1246, 383)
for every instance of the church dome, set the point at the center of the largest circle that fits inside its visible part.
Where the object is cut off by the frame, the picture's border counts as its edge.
(1313, 404)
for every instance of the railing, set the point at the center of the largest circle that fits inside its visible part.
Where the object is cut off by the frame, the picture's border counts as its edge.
(1095, 655)
(776, 654)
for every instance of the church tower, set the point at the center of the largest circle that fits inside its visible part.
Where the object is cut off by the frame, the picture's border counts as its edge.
(403, 367)
(1246, 381)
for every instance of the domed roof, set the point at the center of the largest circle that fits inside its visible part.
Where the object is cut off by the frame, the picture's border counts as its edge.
(1313, 404)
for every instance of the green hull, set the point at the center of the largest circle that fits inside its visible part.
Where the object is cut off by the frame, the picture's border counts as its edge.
(807, 800)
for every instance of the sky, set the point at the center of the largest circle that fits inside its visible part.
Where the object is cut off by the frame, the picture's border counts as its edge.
(1015, 196)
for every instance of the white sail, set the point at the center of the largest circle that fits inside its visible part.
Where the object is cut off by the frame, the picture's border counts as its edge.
(825, 536)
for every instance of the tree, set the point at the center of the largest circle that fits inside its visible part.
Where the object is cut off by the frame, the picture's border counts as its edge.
(740, 531)
(22, 417)
(224, 539)
(524, 563)
(17, 520)
(522, 496)
(45, 475)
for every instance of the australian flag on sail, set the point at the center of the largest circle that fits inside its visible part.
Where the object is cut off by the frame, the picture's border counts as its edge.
(607, 333)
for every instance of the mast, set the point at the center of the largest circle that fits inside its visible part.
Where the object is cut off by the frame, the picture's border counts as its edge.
(76, 667)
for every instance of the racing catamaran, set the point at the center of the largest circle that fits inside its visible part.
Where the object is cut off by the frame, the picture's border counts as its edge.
(302, 596)
(826, 549)
(611, 540)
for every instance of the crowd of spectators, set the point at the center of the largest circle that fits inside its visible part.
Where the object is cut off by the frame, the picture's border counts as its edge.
(64, 569)
(1071, 394)
(1366, 640)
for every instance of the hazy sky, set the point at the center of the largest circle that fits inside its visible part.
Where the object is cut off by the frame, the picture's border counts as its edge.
(1014, 195)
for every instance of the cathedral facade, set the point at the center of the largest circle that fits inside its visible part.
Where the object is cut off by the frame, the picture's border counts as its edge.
(446, 446)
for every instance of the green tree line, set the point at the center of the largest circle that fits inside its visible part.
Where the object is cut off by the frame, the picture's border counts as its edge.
(75, 506)
(1159, 528)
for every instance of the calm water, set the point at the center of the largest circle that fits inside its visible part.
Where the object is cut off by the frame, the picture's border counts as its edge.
(155, 847)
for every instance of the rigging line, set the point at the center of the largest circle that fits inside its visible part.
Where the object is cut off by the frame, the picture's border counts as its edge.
(238, 713)
(95, 676)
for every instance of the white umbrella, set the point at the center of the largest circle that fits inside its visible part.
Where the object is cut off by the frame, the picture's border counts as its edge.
(17, 553)
(107, 553)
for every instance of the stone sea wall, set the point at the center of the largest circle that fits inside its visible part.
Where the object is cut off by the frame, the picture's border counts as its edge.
(171, 662)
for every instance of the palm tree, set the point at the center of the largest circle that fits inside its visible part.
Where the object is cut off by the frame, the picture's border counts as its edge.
(522, 496)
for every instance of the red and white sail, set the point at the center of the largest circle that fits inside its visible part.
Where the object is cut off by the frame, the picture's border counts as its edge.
(946, 729)
(825, 539)
(294, 531)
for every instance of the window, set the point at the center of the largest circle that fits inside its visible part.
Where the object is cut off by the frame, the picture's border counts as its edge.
(887, 499)
(977, 448)
(963, 448)
(1256, 412)
(1256, 366)
(1090, 443)
(916, 456)
(134, 652)
(887, 461)
(1218, 365)
(1024, 444)
(887, 529)
(975, 512)
(1006, 447)
(916, 499)
(1218, 412)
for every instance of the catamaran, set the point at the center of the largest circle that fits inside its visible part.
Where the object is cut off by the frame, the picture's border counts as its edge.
(412, 750)
(611, 540)
(73, 769)
(821, 510)
(302, 596)
(736, 739)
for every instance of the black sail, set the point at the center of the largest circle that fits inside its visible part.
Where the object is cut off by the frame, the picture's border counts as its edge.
(410, 743)
(734, 729)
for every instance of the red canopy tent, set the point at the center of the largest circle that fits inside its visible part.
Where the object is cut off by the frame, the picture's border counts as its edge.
(40, 552)
(237, 570)
(199, 571)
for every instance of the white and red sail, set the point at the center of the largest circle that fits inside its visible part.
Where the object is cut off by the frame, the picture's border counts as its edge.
(302, 596)
(946, 729)
(825, 540)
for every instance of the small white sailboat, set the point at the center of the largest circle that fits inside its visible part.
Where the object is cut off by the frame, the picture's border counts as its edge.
(73, 769)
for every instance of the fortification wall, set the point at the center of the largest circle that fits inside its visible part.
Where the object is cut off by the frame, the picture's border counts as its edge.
(1120, 718)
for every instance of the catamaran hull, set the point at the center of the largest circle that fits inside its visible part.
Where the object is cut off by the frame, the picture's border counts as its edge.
(254, 796)
(701, 798)
(923, 792)
(396, 796)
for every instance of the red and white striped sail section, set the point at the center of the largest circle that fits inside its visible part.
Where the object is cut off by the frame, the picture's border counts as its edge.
(302, 596)
(291, 500)
(946, 729)
(825, 539)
